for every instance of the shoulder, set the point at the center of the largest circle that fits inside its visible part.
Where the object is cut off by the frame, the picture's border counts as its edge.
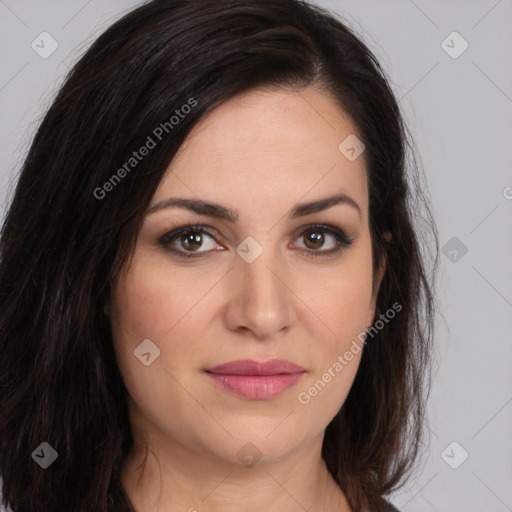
(385, 506)
(389, 507)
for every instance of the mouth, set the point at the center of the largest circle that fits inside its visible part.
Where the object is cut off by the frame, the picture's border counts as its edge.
(256, 380)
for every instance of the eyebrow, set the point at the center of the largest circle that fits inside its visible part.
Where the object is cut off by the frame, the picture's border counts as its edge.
(221, 212)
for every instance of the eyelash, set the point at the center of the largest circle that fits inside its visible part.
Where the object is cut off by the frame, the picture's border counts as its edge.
(342, 240)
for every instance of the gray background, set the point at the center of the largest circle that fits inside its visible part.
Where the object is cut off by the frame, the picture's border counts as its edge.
(460, 112)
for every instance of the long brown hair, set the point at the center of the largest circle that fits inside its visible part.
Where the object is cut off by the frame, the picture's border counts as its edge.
(67, 234)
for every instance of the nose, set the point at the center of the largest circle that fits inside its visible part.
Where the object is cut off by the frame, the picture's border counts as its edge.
(261, 299)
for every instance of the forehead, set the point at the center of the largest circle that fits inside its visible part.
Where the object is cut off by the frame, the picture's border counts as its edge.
(268, 148)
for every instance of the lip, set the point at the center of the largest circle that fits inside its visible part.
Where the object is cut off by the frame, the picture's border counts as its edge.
(254, 379)
(251, 367)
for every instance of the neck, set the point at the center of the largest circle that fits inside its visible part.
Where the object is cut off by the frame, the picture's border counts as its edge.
(172, 477)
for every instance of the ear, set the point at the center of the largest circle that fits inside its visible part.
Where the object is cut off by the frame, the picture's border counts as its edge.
(378, 280)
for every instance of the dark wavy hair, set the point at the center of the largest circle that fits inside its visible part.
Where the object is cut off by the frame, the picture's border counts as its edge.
(63, 246)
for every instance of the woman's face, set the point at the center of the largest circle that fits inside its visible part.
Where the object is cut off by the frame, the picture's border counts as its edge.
(262, 287)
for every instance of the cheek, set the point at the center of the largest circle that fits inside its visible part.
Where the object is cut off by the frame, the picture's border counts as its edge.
(344, 305)
(343, 300)
(149, 303)
(152, 303)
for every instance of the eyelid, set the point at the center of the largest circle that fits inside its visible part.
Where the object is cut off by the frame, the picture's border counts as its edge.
(184, 229)
(328, 228)
(343, 240)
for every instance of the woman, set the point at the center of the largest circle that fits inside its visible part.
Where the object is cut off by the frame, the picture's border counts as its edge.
(212, 293)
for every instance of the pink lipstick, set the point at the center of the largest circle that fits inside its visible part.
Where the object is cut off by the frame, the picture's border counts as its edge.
(256, 380)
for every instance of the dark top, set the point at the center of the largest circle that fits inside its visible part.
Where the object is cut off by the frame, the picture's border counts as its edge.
(390, 508)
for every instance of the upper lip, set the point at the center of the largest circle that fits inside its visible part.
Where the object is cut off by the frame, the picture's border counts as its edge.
(250, 367)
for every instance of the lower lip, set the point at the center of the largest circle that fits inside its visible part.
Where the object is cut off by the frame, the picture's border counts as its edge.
(256, 387)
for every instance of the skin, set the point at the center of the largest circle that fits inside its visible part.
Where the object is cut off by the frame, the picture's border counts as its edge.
(260, 153)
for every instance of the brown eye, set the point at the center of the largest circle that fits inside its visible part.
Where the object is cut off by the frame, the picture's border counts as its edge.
(191, 241)
(315, 237)
(314, 240)
(187, 241)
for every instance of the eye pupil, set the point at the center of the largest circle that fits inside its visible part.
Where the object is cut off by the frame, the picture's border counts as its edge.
(317, 239)
(191, 238)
